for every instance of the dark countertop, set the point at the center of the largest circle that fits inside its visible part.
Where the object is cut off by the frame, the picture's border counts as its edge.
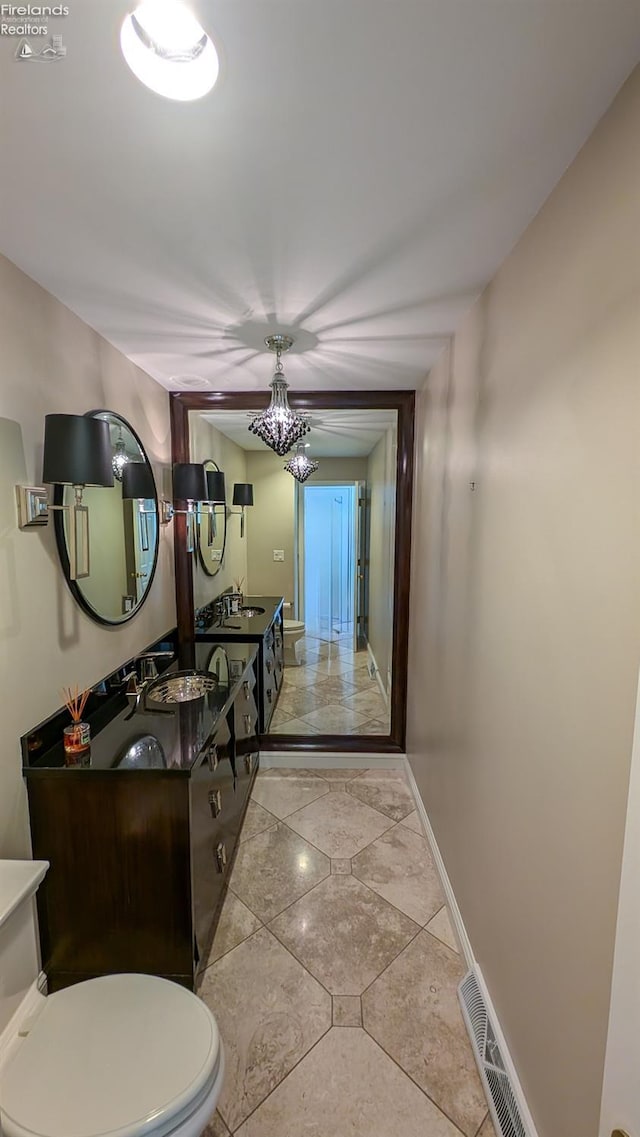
(238, 627)
(180, 731)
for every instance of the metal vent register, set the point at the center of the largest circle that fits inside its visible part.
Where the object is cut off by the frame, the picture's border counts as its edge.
(487, 1053)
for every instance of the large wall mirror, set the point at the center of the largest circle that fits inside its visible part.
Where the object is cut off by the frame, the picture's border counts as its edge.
(212, 523)
(335, 546)
(123, 531)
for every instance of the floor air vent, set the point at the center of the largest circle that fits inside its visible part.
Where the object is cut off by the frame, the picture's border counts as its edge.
(489, 1059)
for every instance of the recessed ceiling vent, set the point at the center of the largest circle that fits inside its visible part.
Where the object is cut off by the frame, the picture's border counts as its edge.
(496, 1080)
(189, 382)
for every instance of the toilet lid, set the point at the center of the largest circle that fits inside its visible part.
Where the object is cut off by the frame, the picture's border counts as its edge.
(112, 1057)
(293, 625)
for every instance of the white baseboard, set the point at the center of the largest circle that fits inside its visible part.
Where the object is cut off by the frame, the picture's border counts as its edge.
(467, 951)
(274, 759)
(379, 680)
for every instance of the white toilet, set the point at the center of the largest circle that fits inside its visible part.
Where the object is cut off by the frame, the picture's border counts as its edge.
(119, 1056)
(293, 631)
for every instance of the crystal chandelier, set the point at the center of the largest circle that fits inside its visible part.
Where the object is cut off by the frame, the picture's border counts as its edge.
(120, 457)
(300, 465)
(279, 426)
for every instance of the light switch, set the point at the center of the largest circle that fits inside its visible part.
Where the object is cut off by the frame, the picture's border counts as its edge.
(278, 554)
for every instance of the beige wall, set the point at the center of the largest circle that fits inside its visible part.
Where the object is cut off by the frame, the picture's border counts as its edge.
(206, 442)
(525, 629)
(52, 362)
(270, 525)
(381, 479)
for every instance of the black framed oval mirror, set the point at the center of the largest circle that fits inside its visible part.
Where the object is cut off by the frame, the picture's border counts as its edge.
(123, 531)
(212, 522)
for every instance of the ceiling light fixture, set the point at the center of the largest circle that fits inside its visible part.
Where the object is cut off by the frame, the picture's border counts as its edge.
(169, 51)
(300, 465)
(120, 457)
(279, 426)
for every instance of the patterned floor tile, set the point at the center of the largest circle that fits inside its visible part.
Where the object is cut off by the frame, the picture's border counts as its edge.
(412, 1010)
(256, 819)
(384, 790)
(440, 927)
(399, 867)
(334, 718)
(275, 868)
(412, 821)
(347, 1010)
(236, 924)
(216, 1127)
(283, 791)
(339, 824)
(347, 1087)
(270, 1012)
(344, 934)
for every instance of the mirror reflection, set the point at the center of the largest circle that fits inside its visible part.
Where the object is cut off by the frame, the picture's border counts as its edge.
(326, 543)
(123, 534)
(212, 523)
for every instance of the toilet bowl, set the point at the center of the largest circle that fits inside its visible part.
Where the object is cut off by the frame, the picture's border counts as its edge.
(293, 631)
(117, 1056)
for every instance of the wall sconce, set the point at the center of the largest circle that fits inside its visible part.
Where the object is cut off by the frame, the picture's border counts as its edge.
(138, 483)
(190, 485)
(78, 453)
(243, 496)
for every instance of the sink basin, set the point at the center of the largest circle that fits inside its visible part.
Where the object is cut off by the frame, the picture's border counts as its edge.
(252, 611)
(180, 688)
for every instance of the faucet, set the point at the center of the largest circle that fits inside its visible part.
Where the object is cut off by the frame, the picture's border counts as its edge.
(148, 672)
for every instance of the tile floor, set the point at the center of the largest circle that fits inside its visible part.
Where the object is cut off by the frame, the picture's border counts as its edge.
(334, 971)
(331, 692)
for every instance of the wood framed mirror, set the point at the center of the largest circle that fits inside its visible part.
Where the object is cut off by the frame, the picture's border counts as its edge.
(401, 404)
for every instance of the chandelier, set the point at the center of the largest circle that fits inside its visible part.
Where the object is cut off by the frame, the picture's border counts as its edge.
(300, 465)
(279, 426)
(120, 457)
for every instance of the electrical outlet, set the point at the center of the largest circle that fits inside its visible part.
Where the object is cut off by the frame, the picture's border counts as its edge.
(278, 554)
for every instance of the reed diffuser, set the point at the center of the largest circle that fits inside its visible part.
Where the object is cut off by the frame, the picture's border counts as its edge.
(77, 737)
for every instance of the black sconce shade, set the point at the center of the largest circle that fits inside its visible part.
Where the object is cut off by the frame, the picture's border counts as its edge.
(137, 481)
(189, 481)
(215, 486)
(243, 493)
(77, 451)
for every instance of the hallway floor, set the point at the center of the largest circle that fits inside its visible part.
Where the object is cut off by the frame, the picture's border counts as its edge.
(331, 692)
(334, 971)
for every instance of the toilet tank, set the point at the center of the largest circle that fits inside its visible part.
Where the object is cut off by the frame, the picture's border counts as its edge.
(19, 956)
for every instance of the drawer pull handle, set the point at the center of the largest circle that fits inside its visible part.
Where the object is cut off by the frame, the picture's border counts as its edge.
(212, 757)
(247, 723)
(215, 802)
(246, 688)
(248, 763)
(269, 666)
(221, 857)
(269, 693)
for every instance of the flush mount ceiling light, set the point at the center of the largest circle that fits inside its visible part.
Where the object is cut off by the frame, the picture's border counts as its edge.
(300, 465)
(279, 426)
(120, 457)
(169, 51)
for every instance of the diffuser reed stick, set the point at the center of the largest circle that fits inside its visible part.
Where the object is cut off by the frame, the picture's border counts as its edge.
(75, 701)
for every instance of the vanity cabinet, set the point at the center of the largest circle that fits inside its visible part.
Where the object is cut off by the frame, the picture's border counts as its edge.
(140, 858)
(266, 630)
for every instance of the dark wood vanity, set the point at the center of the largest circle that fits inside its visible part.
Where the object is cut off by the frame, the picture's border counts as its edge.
(141, 839)
(266, 630)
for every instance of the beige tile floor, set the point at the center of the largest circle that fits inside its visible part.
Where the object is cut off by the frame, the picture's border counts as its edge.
(334, 971)
(330, 693)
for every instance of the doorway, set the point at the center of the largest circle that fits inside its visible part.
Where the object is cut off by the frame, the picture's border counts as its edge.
(327, 521)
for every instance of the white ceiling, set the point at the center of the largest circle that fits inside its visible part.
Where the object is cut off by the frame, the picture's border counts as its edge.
(333, 433)
(357, 175)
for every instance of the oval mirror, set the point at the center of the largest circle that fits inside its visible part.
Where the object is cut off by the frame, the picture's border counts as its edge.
(123, 531)
(212, 522)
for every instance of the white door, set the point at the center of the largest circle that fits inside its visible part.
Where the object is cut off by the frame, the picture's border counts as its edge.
(621, 1088)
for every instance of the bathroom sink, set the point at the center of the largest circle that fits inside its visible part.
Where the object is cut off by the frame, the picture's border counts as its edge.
(252, 611)
(180, 688)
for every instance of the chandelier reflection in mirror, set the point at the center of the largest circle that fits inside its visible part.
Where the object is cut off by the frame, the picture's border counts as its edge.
(279, 426)
(300, 465)
(120, 457)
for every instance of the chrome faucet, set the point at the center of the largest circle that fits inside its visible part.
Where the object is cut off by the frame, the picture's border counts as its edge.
(148, 672)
